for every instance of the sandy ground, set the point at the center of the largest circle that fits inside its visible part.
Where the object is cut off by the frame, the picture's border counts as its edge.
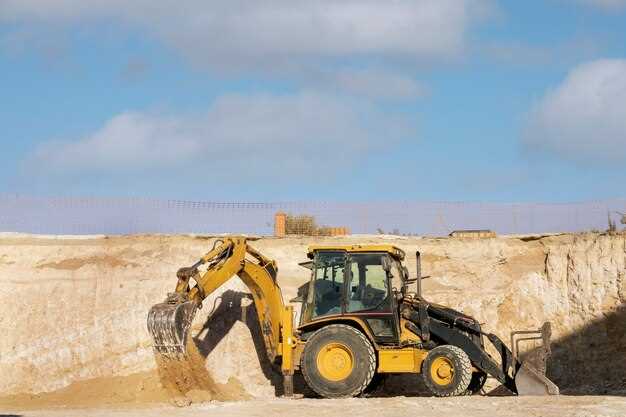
(563, 406)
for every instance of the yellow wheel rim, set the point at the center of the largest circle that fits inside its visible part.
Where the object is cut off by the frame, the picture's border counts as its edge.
(335, 361)
(442, 371)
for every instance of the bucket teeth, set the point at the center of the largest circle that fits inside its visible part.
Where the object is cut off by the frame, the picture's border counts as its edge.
(169, 326)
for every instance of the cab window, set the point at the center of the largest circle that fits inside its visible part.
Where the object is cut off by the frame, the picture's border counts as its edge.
(368, 289)
(397, 275)
(328, 283)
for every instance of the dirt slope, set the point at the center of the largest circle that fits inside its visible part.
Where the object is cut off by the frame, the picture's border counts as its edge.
(74, 310)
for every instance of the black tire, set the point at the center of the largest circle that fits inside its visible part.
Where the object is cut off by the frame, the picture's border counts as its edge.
(362, 360)
(459, 371)
(376, 386)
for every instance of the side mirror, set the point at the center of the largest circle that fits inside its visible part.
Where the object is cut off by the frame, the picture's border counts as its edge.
(385, 263)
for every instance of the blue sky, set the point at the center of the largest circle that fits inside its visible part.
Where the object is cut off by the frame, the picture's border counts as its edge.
(450, 100)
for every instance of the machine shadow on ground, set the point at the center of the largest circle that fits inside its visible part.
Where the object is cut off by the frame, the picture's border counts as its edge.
(237, 306)
(592, 360)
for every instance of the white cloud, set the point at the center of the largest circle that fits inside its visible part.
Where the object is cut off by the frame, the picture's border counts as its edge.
(278, 33)
(584, 118)
(299, 133)
(376, 84)
(366, 83)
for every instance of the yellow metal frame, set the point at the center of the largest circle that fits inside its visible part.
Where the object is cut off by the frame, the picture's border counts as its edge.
(390, 249)
(407, 337)
(401, 360)
(289, 342)
(235, 257)
(338, 318)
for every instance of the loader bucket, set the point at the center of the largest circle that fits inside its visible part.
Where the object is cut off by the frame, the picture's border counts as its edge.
(169, 325)
(530, 378)
(529, 381)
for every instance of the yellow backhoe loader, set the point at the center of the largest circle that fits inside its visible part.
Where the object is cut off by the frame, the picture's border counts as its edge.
(358, 319)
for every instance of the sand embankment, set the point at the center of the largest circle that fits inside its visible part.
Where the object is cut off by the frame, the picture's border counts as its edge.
(73, 310)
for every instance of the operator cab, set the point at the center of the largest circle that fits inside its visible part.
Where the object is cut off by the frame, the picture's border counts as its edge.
(357, 281)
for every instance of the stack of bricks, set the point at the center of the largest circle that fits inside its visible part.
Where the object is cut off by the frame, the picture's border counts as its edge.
(339, 231)
(280, 228)
(280, 224)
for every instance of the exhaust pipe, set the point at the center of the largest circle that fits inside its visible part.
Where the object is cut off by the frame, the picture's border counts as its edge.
(418, 267)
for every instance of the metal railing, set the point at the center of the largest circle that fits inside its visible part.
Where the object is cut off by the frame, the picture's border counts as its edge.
(143, 215)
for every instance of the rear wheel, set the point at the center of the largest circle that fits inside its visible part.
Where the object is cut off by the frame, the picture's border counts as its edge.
(376, 386)
(447, 371)
(338, 361)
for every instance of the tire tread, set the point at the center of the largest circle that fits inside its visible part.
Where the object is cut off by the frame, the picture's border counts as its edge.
(465, 372)
(371, 363)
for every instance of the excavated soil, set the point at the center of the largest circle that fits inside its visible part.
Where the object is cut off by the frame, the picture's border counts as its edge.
(73, 311)
(187, 381)
(141, 389)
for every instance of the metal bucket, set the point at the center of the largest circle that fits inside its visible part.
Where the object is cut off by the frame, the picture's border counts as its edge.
(530, 378)
(169, 325)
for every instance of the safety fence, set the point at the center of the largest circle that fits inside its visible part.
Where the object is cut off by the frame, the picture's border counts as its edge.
(141, 215)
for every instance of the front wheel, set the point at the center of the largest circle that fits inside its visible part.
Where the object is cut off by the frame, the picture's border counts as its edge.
(447, 371)
(338, 361)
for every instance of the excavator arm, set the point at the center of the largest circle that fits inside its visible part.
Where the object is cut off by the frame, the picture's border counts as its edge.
(169, 323)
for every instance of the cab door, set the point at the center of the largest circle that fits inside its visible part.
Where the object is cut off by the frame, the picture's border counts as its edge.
(369, 295)
(324, 295)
